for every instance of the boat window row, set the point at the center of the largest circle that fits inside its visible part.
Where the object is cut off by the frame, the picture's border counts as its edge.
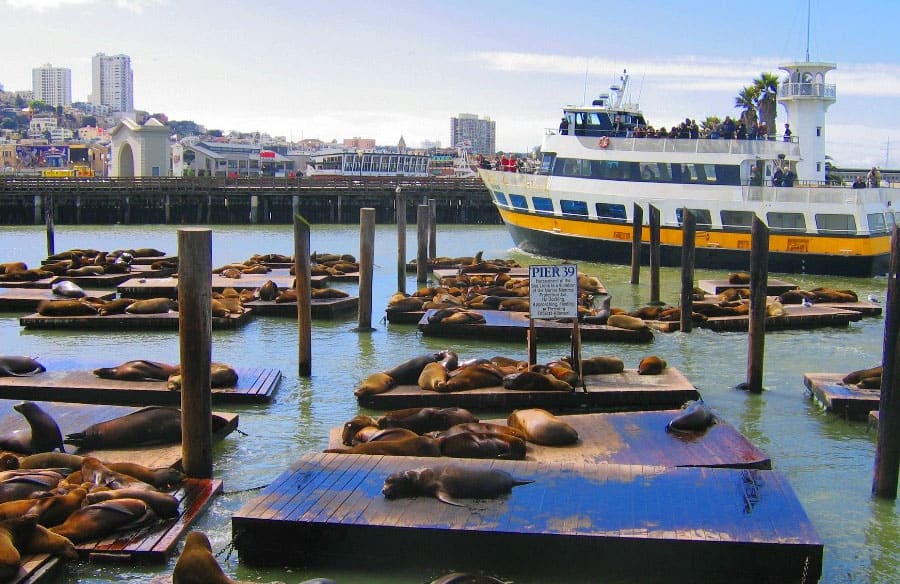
(779, 222)
(655, 172)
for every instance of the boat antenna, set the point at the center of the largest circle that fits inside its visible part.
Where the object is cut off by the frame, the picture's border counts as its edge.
(808, 2)
(584, 93)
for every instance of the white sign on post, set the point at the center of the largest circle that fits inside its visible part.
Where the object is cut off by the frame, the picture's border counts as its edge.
(553, 291)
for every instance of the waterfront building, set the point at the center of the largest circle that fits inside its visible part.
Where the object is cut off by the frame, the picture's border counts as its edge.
(112, 82)
(477, 135)
(52, 85)
(139, 150)
(228, 159)
(358, 143)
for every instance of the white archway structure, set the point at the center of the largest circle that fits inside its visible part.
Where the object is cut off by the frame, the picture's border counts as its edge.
(139, 150)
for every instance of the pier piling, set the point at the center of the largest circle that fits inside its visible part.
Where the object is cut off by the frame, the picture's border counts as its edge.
(654, 255)
(422, 212)
(887, 449)
(432, 229)
(637, 230)
(366, 260)
(759, 279)
(303, 286)
(688, 243)
(400, 206)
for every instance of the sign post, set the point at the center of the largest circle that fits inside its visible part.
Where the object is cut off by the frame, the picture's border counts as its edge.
(553, 293)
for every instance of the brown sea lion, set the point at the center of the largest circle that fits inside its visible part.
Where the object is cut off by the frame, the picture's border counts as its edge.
(406, 305)
(651, 365)
(627, 322)
(65, 308)
(161, 477)
(268, 291)
(10, 267)
(220, 376)
(476, 445)
(739, 278)
(407, 372)
(602, 365)
(101, 519)
(51, 460)
(10, 558)
(448, 483)
(150, 425)
(515, 305)
(197, 564)
(147, 252)
(855, 376)
(23, 486)
(412, 446)
(422, 420)
(432, 375)
(19, 366)
(326, 293)
(94, 471)
(480, 428)
(116, 306)
(163, 504)
(374, 384)
(43, 435)
(354, 425)
(33, 538)
(775, 309)
(542, 427)
(287, 295)
(152, 306)
(138, 370)
(374, 434)
(53, 510)
(472, 377)
(695, 417)
(86, 271)
(534, 381)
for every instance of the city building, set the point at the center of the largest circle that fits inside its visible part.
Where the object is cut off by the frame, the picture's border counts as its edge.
(228, 159)
(476, 135)
(112, 82)
(358, 143)
(139, 150)
(52, 85)
(37, 127)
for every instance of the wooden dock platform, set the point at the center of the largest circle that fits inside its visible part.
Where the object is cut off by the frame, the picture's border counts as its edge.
(848, 401)
(639, 438)
(796, 317)
(13, 299)
(254, 385)
(513, 326)
(124, 322)
(440, 273)
(35, 569)
(168, 287)
(615, 391)
(774, 286)
(42, 283)
(692, 524)
(318, 307)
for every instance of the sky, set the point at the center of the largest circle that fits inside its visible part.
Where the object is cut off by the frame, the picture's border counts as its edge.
(382, 70)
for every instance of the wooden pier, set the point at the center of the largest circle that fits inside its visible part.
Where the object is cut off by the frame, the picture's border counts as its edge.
(691, 524)
(796, 316)
(42, 283)
(614, 391)
(113, 280)
(513, 326)
(37, 568)
(254, 385)
(168, 287)
(848, 401)
(319, 307)
(14, 299)
(126, 322)
(639, 438)
(774, 287)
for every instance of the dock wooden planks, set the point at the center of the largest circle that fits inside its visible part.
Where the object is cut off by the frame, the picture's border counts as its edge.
(774, 287)
(123, 322)
(318, 307)
(29, 298)
(36, 568)
(848, 401)
(705, 524)
(615, 391)
(796, 317)
(254, 385)
(513, 326)
(168, 287)
(639, 438)
(42, 283)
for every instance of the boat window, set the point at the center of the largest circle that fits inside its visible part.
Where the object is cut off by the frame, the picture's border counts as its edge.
(518, 201)
(688, 173)
(836, 223)
(891, 219)
(547, 162)
(573, 207)
(737, 219)
(648, 171)
(500, 198)
(665, 171)
(701, 216)
(728, 174)
(876, 223)
(542, 204)
(786, 221)
(611, 211)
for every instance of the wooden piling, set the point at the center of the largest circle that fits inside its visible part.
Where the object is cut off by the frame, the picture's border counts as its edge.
(688, 243)
(195, 339)
(432, 229)
(759, 279)
(637, 230)
(366, 261)
(48, 217)
(654, 255)
(303, 286)
(887, 448)
(400, 205)
(422, 221)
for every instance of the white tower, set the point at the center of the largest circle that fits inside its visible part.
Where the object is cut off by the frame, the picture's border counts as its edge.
(806, 97)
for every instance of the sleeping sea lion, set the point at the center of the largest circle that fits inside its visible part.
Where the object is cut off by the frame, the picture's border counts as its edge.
(117, 306)
(602, 365)
(163, 504)
(739, 278)
(433, 374)
(43, 436)
(220, 375)
(326, 293)
(65, 308)
(480, 428)
(447, 483)
(374, 384)
(51, 460)
(412, 446)
(354, 425)
(472, 377)
(627, 322)
(94, 471)
(651, 365)
(19, 366)
(268, 291)
(152, 306)
(101, 519)
(542, 427)
(10, 558)
(534, 381)
(53, 510)
(406, 305)
(476, 445)
(68, 289)
(27, 484)
(375, 434)
(150, 425)
(422, 420)
(34, 538)
(856, 376)
(139, 370)
(407, 372)
(695, 417)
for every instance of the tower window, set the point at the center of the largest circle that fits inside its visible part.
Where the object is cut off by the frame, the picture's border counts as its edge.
(818, 167)
(818, 131)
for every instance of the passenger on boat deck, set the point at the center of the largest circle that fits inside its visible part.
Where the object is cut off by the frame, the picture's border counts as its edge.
(777, 177)
(787, 132)
(763, 131)
(874, 177)
(787, 179)
(859, 183)
(564, 126)
(754, 131)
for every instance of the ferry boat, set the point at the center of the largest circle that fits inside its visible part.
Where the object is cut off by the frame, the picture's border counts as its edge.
(580, 204)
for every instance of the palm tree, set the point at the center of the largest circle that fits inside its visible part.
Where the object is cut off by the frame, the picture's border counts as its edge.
(767, 91)
(710, 122)
(746, 100)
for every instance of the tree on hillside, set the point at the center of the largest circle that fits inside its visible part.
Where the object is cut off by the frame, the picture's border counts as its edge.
(767, 87)
(746, 101)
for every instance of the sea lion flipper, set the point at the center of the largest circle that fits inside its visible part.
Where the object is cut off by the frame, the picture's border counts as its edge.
(517, 482)
(442, 495)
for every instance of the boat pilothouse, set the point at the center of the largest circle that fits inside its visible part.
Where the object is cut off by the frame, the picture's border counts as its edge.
(598, 165)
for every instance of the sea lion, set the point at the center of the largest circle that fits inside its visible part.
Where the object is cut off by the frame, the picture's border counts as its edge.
(651, 365)
(599, 315)
(8, 461)
(34, 538)
(542, 427)
(218, 309)
(287, 295)
(138, 370)
(476, 445)
(94, 471)
(480, 428)
(407, 372)
(101, 519)
(466, 578)
(146, 252)
(354, 425)
(23, 486)
(412, 446)
(220, 376)
(627, 322)
(695, 417)
(422, 420)
(53, 510)
(375, 434)
(515, 304)
(534, 381)
(472, 377)
(43, 436)
(433, 374)
(197, 564)
(150, 425)
(602, 365)
(10, 558)
(152, 306)
(11, 267)
(268, 291)
(161, 477)
(855, 377)
(65, 308)
(68, 289)
(406, 305)
(775, 309)
(374, 384)
(117, 306)
(327, 293)
(739, 278)
(85, 271)
(51, 460)
(19, 366)
(464, 317)
(163, 504)
(448, 483)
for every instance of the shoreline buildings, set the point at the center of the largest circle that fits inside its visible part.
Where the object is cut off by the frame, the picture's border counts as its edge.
(52, 85)
(112, 83)
(474, 134)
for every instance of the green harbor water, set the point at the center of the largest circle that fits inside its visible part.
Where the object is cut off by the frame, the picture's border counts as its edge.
(827, 460)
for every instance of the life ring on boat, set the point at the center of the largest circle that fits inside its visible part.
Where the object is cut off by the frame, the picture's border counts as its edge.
(604, 142)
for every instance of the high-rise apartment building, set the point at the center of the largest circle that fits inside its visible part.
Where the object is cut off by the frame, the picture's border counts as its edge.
(113, 82)
(52, 85)
(479, 135)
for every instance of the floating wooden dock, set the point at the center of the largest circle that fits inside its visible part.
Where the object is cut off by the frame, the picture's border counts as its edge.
(254, 385)
(42, 283)
(35, 569)
(863, 307)
(122, 322)
(29, 298)
(513, 326)
(691, 524)
(407, 317)
(640, 438)
(168, 287)
(774, 287)
(111, 280)
(848, 401)
(796, 316)
(441, 273)
(318, 307)
(614, 391)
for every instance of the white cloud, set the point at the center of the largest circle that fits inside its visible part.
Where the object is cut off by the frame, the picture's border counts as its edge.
(136, 6)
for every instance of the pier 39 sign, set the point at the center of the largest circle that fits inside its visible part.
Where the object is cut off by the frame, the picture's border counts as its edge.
(554, 291)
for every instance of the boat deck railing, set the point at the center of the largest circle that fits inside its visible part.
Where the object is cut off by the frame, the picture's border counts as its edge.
(764, 149)
(815, 193)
